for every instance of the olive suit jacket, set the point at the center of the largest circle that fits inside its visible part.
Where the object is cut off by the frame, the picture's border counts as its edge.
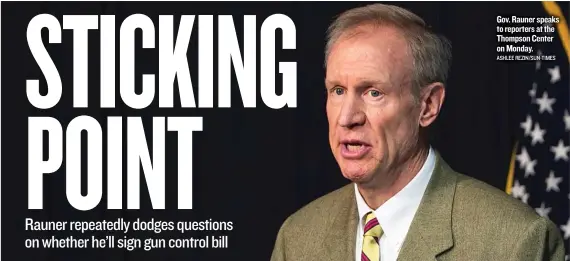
(459, 218)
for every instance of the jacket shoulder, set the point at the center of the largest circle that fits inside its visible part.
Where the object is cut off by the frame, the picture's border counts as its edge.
(476, 196)
(481, 211)
(510, 228)
(303, 231)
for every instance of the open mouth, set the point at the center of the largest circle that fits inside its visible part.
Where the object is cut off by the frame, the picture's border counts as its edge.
(354, 149)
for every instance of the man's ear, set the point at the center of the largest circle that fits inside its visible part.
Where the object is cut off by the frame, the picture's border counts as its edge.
(432, 97)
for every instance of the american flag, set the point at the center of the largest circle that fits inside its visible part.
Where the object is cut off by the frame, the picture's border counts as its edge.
(540, 168)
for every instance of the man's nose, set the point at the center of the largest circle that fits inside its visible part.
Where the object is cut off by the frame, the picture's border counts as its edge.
(351, 114)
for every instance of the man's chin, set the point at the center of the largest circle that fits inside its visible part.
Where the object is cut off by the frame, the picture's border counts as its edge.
(357, 176)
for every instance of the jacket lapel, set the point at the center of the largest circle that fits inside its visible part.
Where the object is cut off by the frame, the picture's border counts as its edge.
(339, 243)
(430, 233)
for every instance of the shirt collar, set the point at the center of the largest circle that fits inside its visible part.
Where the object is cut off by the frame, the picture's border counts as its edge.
(395, 215)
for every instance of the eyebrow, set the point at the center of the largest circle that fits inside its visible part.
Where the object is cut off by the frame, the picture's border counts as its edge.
(361, 84)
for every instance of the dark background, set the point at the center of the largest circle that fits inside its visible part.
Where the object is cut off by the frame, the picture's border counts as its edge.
(251, 166)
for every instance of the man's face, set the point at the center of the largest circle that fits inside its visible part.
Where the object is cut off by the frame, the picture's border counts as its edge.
(373, 119)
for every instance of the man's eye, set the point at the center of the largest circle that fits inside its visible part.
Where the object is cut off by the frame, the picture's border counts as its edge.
(338, 91)
(374, 93)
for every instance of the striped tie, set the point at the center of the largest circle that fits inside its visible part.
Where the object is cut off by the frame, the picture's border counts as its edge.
(370, 242)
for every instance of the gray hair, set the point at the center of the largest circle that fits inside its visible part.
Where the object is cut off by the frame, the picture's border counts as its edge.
(431, 53)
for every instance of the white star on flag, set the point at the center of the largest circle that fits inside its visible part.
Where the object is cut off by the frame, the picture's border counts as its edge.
(543, 210)
(566, 229)
(527, 125)
(525, 198)
(552, 182)
(560, 151)
(529, 168)
(545, 103)
(518, 190)
(526, 163)
(532, 92)
(554, 74)
(523, 158)
(537, 134)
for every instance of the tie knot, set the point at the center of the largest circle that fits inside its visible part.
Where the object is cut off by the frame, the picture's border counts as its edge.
(372, 227)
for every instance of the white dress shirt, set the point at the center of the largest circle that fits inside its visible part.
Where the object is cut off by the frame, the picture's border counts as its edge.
(395, 215)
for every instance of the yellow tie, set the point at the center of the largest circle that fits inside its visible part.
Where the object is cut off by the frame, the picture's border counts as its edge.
(370, 242)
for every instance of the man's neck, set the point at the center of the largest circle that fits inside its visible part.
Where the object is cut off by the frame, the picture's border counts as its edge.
(388, 184)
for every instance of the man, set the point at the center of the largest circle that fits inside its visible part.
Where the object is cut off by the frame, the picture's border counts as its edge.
(385, 75)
